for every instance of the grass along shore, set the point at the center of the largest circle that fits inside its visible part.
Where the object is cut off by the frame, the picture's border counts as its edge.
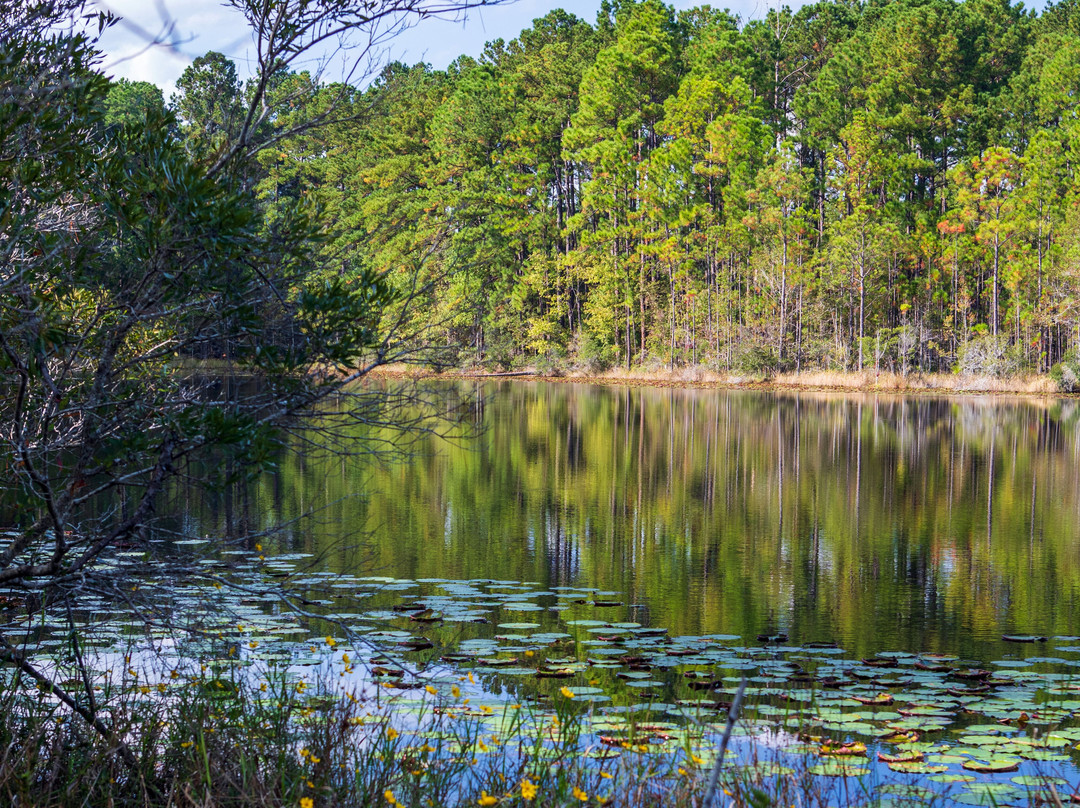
(812, 380)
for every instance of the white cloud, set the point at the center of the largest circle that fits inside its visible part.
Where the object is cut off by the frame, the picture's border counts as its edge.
(155, 41)
(184, 29)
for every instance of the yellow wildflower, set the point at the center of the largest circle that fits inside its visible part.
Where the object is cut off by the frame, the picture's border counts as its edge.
(391, 733)
(487, 799)
(528, 790)
(431, 690)
(390, 797)
(307, 802)
(331, 641)
(581, 795)
(567, 692)
(456, 691)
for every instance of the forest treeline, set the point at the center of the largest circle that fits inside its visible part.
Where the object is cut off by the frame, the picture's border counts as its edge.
(846, 186)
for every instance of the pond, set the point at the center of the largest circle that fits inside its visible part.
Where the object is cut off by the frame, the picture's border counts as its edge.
(882, 523)
(893, 579)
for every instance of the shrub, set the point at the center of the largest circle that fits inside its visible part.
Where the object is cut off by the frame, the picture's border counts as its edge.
(754, 360)
(592, 355)
(1066, 373)
(988, 355)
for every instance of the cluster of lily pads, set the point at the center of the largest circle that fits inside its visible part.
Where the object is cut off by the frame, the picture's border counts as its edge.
(511, 655)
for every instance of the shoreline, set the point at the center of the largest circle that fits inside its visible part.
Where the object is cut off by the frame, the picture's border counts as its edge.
(913, 384)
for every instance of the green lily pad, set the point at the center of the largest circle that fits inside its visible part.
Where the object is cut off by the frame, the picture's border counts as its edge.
(838, 767)
(993, 765)
(918, 768)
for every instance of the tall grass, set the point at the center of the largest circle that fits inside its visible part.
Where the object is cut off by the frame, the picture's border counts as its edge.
(230, 740)
(868, 380)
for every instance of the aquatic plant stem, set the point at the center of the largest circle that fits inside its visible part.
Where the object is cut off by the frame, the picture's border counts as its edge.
(12, 655)
(732, 717)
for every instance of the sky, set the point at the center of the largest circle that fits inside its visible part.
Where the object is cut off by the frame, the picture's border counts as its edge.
(192, 27)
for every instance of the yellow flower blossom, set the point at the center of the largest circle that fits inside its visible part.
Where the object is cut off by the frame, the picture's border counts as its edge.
(390, 798)
(431, 690)
(567, 692)
(391, 733)
(331, 641)
(581, 795)
(487, 799)
(528, 790)
(456, 691)
(307, 802)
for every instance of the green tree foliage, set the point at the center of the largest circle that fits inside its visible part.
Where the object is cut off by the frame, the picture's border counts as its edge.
(815, 189)
(128, 103)
(207, 99)
(133, 249)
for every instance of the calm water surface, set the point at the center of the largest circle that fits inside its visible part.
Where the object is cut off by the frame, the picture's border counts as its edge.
(880, 522)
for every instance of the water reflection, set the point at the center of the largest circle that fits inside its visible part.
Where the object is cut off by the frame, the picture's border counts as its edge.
(880, 522)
